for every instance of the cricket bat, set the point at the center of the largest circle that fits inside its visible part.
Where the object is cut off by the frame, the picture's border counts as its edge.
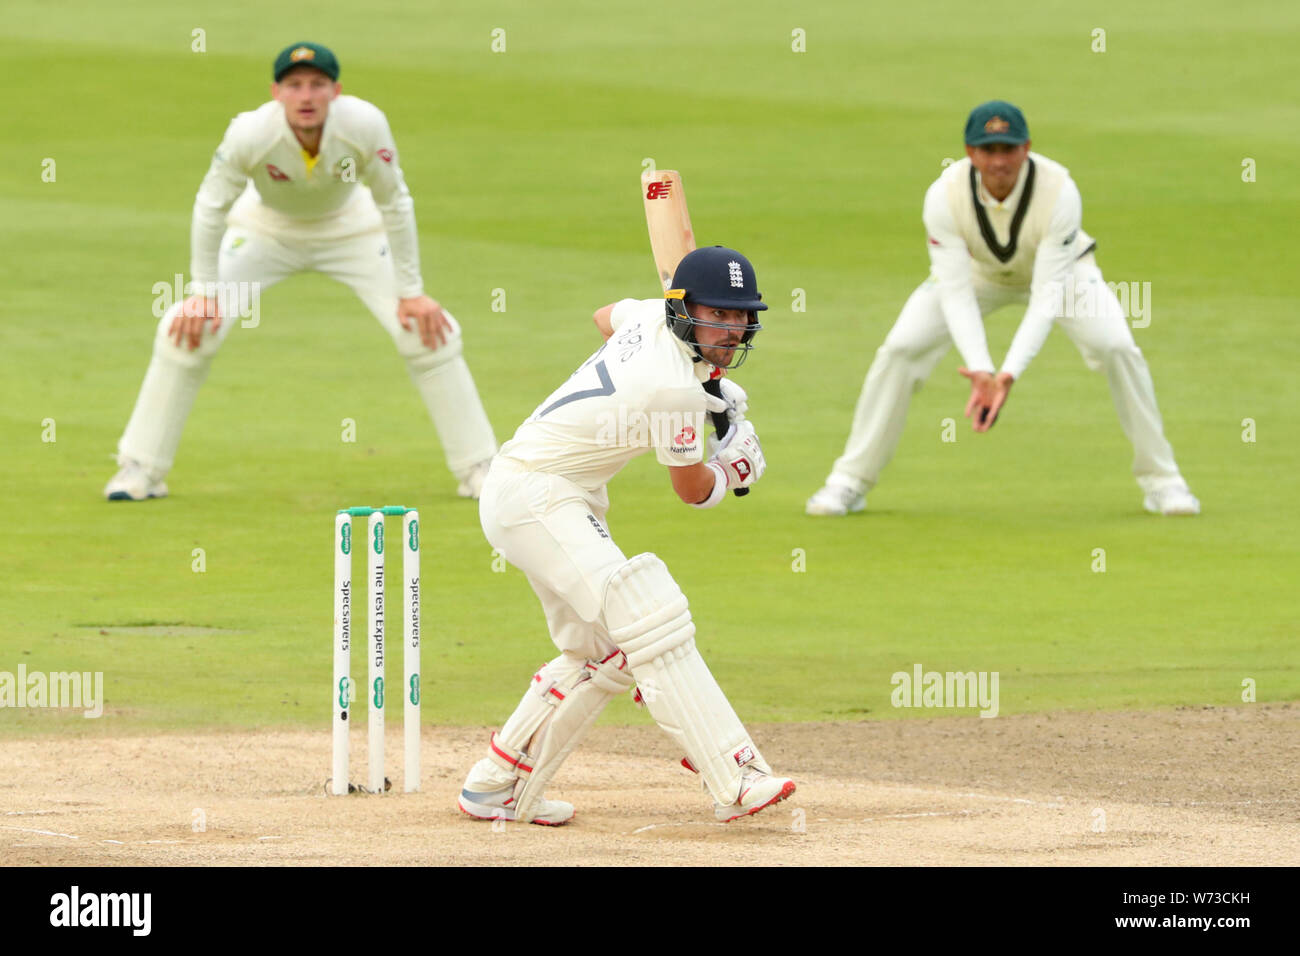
(671, 237)
(668, 220)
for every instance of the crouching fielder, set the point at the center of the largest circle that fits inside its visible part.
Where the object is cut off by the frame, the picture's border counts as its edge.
(1004, 225)
(620, 623)
(309, 182)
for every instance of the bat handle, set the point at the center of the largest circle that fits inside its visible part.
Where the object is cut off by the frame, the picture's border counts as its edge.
(721, 423)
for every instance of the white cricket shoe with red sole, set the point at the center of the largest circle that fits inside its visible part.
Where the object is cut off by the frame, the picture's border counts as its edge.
(758, 791)
(499, 805)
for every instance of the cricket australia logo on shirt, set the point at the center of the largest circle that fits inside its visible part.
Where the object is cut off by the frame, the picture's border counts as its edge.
(737, 277)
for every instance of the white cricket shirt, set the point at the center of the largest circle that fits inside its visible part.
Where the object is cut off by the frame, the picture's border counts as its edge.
(259, 179)
(1031, 240)
(640, 390)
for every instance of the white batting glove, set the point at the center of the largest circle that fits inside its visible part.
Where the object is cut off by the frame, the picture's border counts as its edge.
(740, 456)
(737, 399)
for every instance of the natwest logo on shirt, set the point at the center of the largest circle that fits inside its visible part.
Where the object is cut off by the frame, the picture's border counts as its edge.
(685, 437)
(386, 155)
(274, 172)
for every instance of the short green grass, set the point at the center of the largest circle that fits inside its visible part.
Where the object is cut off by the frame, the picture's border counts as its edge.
(975, 555)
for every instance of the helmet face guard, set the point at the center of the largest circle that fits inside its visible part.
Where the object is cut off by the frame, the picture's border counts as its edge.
(683, 325)
(720, 278)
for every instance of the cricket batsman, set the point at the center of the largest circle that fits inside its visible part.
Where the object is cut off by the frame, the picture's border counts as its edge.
(309, 182)
(1004, 226)
(620, 622)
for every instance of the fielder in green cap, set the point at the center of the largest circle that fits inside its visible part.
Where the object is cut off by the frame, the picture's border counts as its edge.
(307, 55)
(996, 121)
(1004, 226)
(308, 182)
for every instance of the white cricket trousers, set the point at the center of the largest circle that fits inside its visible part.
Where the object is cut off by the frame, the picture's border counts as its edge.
(364, 264)
(554, 531)
(920, 338)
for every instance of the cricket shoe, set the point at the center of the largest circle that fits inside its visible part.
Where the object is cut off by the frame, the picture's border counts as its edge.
(499, 805)
(758, 791)
(835, 500)
(471, 482)
(1172, 499)
(134, 482)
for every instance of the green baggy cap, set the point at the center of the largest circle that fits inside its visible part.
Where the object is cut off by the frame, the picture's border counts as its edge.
(996, 121)
(306, 54)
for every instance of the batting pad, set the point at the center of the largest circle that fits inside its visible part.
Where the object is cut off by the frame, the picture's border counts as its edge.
(649, 618)
(564, 700)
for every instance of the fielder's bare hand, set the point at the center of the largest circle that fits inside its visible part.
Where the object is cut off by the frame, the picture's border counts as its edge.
(428, 315)
(187, 325)
(988, 393)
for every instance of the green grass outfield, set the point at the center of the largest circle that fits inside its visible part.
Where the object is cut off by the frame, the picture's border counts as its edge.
(976, 555)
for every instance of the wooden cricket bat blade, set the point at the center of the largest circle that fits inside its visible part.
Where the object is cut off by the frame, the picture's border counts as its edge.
(668, 220)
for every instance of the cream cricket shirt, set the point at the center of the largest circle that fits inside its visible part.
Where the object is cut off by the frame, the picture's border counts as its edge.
(260, 179)
(1029, 241)
(640, 390)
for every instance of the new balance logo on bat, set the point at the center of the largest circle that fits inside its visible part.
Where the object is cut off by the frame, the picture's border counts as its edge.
(658, 190)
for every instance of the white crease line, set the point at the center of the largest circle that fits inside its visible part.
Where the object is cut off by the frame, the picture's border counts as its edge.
(271, 838)
(1060, 805)
(929, 813)
(41, 832)
(888, 816)
(1226, 803)
(686, 823)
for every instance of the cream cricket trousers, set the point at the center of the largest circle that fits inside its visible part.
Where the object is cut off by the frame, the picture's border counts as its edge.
(920, 338)
(251, 262)
(554, 531)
